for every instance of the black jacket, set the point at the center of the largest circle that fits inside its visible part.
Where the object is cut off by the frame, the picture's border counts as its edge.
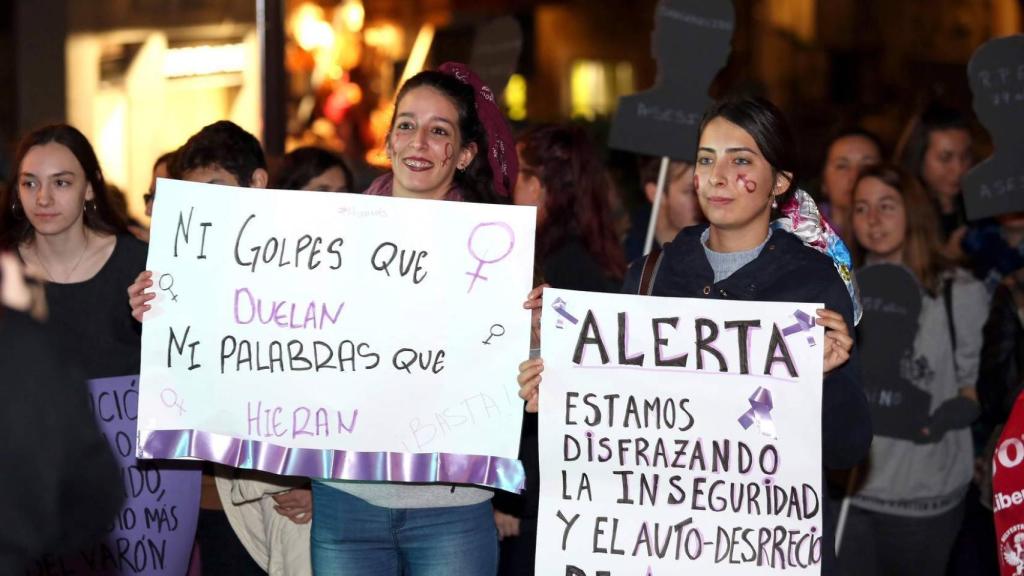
(59, 475)
(1002, 356)
(784, 271)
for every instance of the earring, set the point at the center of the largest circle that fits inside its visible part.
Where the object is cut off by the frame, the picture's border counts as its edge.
(775, 203)
(14, 209)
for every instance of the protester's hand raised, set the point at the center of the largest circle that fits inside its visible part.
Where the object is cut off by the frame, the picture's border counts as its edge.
(529, 380)
(138, 298)
(838, 342)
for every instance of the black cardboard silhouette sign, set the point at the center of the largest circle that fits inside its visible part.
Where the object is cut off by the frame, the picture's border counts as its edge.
(691, 43)
(996, 76)
(496, 48)
(891, 298)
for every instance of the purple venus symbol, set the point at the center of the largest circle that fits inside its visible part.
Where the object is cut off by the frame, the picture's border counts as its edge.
(489, 242)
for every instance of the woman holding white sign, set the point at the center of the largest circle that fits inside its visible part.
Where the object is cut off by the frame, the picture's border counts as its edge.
(448, 141)
(745, 174)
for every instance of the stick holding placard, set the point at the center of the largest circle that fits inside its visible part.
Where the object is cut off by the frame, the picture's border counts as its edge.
(652, 224)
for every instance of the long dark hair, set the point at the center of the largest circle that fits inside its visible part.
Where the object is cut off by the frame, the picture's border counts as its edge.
(477, 180)
(913, 148)
(767, 125)
(576, 194)
(301, 165)
(101, 216)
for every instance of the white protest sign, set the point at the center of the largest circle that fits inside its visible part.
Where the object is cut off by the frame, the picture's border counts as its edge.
(336, 335)
(679, 436)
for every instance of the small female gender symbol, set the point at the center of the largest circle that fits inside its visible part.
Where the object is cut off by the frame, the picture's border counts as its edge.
(166, 282)
(170, 399)
(497, 331)
(490, 242)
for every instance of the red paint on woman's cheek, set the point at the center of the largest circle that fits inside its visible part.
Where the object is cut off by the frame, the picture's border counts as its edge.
(448, 153)
(746, 183)
(696, 183)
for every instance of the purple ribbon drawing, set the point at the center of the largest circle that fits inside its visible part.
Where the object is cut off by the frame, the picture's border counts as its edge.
(760, 412)
(803, 324)
(559, 306)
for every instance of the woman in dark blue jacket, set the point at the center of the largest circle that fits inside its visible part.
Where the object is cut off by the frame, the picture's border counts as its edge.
(744, 171)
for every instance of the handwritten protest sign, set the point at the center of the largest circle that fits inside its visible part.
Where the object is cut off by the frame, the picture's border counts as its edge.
(336, 335)
(154, 531)
(679, 436)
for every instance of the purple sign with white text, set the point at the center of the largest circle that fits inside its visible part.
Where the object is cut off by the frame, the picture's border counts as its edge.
(154, 531)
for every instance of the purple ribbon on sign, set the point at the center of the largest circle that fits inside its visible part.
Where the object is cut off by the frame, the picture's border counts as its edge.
(760, 412)
(502, 473)
(803, 323)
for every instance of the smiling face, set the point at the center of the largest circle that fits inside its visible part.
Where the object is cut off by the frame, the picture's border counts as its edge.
(879, 219)
(847, 157)
(53, 189)
(946, 160)
(425, 145)
(735, 184)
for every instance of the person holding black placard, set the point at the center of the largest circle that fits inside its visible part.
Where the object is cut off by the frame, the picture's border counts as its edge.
(744, 174)
(905, 516)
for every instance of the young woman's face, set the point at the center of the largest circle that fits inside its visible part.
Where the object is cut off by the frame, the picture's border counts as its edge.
(847, 156)
(424, 144)
(946, 160)
(330, 180)
(529, 190)
(53, 189)
(733, 180)
(879, 219)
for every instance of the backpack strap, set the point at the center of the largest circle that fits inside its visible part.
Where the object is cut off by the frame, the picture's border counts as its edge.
(947, 297)
(652, 262)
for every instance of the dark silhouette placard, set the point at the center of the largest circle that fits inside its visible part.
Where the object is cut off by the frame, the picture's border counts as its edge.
(996, 76)
(891, 297)
(691, 43)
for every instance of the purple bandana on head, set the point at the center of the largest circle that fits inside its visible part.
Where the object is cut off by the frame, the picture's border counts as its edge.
(502, 149)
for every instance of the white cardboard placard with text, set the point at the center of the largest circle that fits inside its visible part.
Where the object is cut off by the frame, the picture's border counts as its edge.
(679, 436)
(334, 322)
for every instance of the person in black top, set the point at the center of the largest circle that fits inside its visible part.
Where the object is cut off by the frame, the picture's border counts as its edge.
(59, 472)
(57, 214)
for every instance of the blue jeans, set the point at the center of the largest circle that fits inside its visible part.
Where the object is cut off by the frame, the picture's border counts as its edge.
(351, 536)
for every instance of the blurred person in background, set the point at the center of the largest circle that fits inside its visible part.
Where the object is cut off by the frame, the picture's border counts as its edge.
(312, 168)
(56, 460)
(938, 152)
(562, 175)
(849, 152)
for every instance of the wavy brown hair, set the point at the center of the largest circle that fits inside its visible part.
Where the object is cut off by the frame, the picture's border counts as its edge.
(576, 201)
(922, 247)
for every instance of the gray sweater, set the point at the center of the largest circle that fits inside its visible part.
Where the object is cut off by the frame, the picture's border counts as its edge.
(909, 479)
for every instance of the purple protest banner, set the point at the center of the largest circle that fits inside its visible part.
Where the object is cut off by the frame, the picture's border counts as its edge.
(154, 531)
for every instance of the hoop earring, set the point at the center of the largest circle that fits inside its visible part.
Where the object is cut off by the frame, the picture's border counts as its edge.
(15, 208)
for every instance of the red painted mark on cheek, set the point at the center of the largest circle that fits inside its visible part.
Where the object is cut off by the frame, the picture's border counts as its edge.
(747, 183)
(448, 153)
(696, 183)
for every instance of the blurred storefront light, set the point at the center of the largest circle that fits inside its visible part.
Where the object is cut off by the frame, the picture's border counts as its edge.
(310, 28)
(350, 15)
(515, 97)
(595, 87)
(200, 60)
